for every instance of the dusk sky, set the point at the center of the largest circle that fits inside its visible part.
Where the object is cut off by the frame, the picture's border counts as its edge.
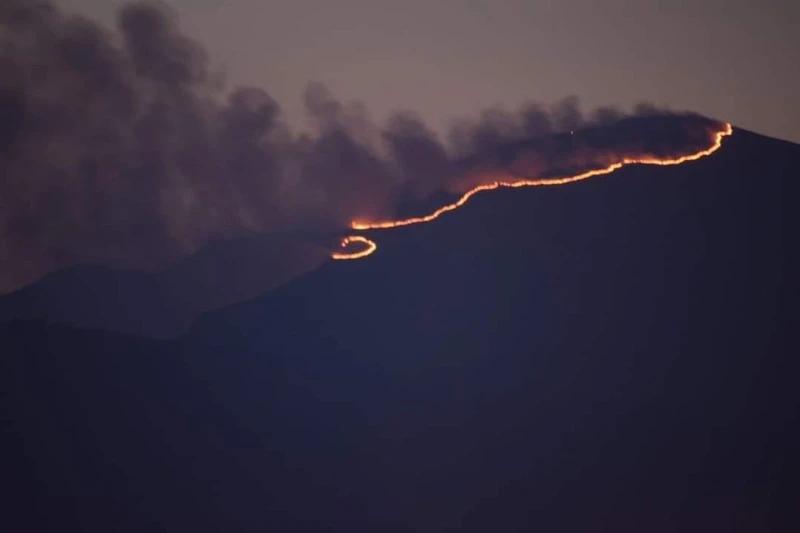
(734, 60)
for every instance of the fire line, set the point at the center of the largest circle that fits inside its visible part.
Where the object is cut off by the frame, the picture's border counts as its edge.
(371, 246)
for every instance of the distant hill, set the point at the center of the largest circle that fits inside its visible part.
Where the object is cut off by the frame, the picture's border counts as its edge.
(618, 354)
(164, 304)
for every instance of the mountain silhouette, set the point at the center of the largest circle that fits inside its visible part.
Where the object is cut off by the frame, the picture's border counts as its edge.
(616, 354)
(164, 304)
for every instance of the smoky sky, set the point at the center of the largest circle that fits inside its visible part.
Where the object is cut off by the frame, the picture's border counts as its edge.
(122, 146)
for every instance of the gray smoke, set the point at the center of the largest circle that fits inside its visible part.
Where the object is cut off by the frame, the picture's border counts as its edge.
(123, 148)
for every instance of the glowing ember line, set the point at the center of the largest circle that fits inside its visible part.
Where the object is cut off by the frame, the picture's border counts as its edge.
(347, 241)
(371, 246)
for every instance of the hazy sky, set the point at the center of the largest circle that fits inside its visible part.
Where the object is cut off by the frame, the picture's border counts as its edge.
(737, 60)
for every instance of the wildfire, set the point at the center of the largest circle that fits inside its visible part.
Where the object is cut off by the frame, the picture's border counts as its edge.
(371, 246)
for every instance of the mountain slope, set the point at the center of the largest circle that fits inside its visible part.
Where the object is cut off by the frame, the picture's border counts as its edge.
(617, 354)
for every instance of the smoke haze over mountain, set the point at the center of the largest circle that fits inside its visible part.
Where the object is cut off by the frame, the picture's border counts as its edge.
(124, 148)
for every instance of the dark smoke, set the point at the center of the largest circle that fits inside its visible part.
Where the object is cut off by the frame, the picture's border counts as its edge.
(122, 148)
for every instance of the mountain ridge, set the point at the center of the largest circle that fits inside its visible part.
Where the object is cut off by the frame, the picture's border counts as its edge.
(164, 305)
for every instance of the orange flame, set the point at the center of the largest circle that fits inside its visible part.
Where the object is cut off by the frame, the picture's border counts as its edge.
(371, 246)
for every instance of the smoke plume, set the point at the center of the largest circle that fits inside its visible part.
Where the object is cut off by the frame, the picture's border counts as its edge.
(123, 148)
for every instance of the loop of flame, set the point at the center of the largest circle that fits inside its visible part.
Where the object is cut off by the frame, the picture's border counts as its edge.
(371, 246)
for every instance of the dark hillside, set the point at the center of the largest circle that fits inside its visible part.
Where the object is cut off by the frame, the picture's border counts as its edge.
(614, 355)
